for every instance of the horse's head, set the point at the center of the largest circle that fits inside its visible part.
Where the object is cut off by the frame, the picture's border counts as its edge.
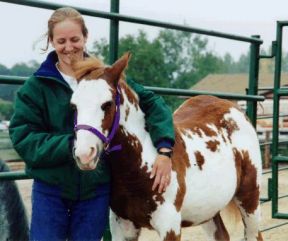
(96, 100)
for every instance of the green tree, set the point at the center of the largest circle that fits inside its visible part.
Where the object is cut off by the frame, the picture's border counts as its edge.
(23, 69)
(147, 64)
(7, 92)
(173, 59)
(4, 70)
(6, 109)
(243, 63)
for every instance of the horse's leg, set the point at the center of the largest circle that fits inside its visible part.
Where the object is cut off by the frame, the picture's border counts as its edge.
(166, 220)
(215, 229)
(251, 221)
(247, 199)
(122, 229)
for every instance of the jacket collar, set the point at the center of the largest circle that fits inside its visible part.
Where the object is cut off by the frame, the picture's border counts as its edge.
(48, 67)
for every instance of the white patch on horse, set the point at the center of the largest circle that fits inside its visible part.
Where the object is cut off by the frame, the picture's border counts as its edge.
(165, 218)
(252, 226)
(212, 127)
(122, 229)
(246, 139)
(205, 198)
(136, 127)
(135, 116)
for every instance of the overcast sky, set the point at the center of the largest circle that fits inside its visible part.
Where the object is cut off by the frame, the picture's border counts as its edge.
(22, 26)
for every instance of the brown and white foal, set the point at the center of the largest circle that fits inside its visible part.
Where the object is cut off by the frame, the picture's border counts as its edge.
(216, 158)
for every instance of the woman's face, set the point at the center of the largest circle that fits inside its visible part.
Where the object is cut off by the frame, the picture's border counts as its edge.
(68, 40)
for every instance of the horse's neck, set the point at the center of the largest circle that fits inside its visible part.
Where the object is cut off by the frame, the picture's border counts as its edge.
(132, 118)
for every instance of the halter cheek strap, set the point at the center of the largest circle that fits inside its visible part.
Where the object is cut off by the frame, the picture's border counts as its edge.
(106, 140)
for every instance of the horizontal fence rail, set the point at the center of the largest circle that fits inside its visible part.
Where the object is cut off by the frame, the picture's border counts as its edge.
(125, 18)
(16, 80)
(13, 175)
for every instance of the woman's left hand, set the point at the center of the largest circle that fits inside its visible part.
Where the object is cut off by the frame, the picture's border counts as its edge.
(162, 172)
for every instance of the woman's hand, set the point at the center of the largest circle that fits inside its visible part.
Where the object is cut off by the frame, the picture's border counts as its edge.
(161, 171)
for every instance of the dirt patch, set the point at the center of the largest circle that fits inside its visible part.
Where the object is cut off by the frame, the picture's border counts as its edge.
(195, 233)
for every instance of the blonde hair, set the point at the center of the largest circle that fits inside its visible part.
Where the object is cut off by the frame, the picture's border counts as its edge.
(60, 15)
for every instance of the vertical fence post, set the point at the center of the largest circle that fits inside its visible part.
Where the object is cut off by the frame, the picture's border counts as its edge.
(114, 33)
(276, 99)
(253, 80)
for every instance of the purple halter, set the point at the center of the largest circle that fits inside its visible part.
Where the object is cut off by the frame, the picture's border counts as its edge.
(115, 126)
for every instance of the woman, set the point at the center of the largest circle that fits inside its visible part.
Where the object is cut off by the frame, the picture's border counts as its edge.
(68, 203)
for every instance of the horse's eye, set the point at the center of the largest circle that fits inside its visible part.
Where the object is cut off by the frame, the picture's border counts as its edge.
(106, 106)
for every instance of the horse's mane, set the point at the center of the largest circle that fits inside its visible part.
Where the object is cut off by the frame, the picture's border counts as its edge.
(89, 68)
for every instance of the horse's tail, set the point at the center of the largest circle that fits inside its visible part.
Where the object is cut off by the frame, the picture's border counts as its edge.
(13, 217)
(231, 216)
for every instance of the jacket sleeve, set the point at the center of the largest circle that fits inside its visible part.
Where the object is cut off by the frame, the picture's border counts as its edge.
(158, 115)
(30, 136)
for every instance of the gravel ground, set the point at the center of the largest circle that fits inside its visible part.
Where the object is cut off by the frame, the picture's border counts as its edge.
(195, 233)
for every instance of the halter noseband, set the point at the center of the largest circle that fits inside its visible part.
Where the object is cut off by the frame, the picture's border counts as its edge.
(106, 140)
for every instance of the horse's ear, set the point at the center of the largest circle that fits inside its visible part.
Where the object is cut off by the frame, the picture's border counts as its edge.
(115, 71)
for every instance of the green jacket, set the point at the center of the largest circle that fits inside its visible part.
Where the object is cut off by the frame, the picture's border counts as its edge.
(41, 131)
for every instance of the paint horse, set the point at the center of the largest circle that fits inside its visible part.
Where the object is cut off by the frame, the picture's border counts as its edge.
(216, 158)
(13, 218)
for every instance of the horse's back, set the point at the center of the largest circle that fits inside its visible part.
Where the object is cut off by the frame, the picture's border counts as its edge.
(215, 122)
(194, 111)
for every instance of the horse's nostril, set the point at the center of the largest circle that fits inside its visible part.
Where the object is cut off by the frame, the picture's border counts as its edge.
(92, 152)
(73, 153)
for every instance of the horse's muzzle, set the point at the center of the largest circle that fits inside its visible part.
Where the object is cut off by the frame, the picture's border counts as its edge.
(91, 164)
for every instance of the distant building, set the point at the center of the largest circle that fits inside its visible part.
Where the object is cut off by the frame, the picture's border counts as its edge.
(238, 84)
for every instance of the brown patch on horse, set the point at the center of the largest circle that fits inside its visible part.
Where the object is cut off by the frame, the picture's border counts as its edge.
(230, 125)
(199, 159)
(131, 195)
(201, 111)
(221, 233)
(248, 190)
(224, 139)
(160, 199)
(131, 95)
(180, 162)
(109, 113)
(213, 145)
(127, 113)
(185, 223)
(171, 236)
(238, 163)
